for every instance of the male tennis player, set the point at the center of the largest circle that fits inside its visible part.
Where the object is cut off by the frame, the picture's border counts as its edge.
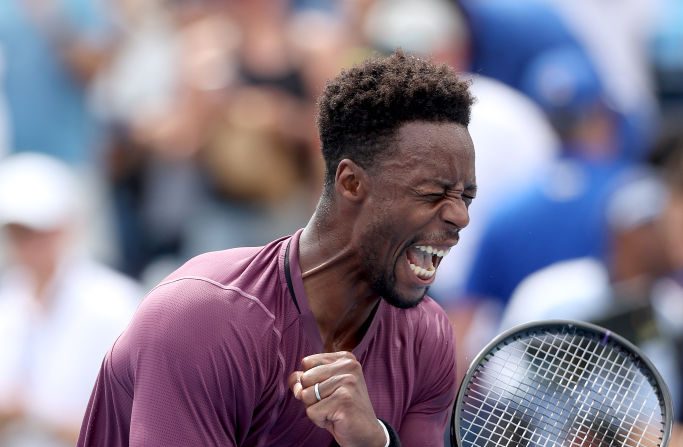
(325, 336)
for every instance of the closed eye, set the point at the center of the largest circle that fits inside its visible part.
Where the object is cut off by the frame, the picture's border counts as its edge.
(435, 196)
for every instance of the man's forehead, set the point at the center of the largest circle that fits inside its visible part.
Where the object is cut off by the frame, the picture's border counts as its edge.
(434, 140)
(435, 146)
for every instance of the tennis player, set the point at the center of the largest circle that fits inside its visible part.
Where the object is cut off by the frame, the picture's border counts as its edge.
(325, 337)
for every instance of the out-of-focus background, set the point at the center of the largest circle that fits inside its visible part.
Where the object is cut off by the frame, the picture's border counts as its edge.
(135, 134)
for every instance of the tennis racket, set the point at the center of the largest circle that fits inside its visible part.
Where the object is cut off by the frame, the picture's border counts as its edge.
(561, 384)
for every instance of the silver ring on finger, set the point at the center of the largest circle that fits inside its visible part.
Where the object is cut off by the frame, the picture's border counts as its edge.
(316, 390)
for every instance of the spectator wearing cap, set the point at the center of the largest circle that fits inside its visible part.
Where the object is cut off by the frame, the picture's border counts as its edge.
(59, 310)
(508, 37)
(559, 216)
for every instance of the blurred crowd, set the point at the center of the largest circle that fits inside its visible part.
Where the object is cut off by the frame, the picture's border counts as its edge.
(135, 134)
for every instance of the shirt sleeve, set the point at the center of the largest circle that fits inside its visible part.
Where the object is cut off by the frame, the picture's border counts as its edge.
(427, 417)
(201, 362)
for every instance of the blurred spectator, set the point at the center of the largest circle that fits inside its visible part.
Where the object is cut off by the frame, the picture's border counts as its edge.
(433, 28)
(616, 40)
(256, 169)
(52, 49)
(669, 157)
(59, 310)
(560, 215)
(219, 154)
(626, 294)
(507, 37)
(142, 96)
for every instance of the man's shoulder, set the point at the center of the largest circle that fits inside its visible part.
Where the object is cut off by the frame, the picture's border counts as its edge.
(193, 312)
(235, 283)
(221, 266)
(198, 320)
(236, 267)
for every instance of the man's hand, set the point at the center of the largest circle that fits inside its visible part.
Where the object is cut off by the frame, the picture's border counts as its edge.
(344, 408)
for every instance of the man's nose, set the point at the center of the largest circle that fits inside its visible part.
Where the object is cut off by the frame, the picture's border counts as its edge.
(455, 212)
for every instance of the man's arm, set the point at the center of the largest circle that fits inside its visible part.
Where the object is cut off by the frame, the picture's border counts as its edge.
(186, 372)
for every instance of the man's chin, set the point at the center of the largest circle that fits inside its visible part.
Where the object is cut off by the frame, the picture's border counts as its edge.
(403, 302)
(389, 289)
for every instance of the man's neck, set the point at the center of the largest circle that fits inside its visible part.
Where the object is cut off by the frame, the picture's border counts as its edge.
(339, 296)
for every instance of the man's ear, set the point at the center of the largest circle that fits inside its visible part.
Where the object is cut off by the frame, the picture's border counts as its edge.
(351, 181)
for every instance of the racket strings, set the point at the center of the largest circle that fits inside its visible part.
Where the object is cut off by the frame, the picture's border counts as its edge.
(561, 389)
(615, 371)
(613, 368)
(551, 402)
(630, 392)
(500, 417)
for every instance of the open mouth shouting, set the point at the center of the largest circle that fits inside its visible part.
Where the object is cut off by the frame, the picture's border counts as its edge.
(424, 260)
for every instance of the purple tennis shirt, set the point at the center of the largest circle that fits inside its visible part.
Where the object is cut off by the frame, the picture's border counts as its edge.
(206, 358)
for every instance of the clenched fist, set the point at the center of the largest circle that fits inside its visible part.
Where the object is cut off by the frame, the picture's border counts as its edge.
(344, 408)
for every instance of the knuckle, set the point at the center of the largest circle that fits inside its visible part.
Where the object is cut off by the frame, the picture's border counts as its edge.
(353, 365)
(343, 394)
(346, 363)
(307, 379)
(307, 362)
(347, 379)
(357, 366)
(348, 355)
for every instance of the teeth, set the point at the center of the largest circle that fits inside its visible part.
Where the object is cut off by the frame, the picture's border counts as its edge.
(431, 250)
(422, 272)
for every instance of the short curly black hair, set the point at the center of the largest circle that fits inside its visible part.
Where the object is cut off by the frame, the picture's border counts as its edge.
(361, 109)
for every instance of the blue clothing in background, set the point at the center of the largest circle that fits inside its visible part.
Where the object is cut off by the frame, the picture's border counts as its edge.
(559, 217)
(47, 104)
(507, 36)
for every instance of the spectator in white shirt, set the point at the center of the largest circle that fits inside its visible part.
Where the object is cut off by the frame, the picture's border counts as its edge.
(59, 310)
